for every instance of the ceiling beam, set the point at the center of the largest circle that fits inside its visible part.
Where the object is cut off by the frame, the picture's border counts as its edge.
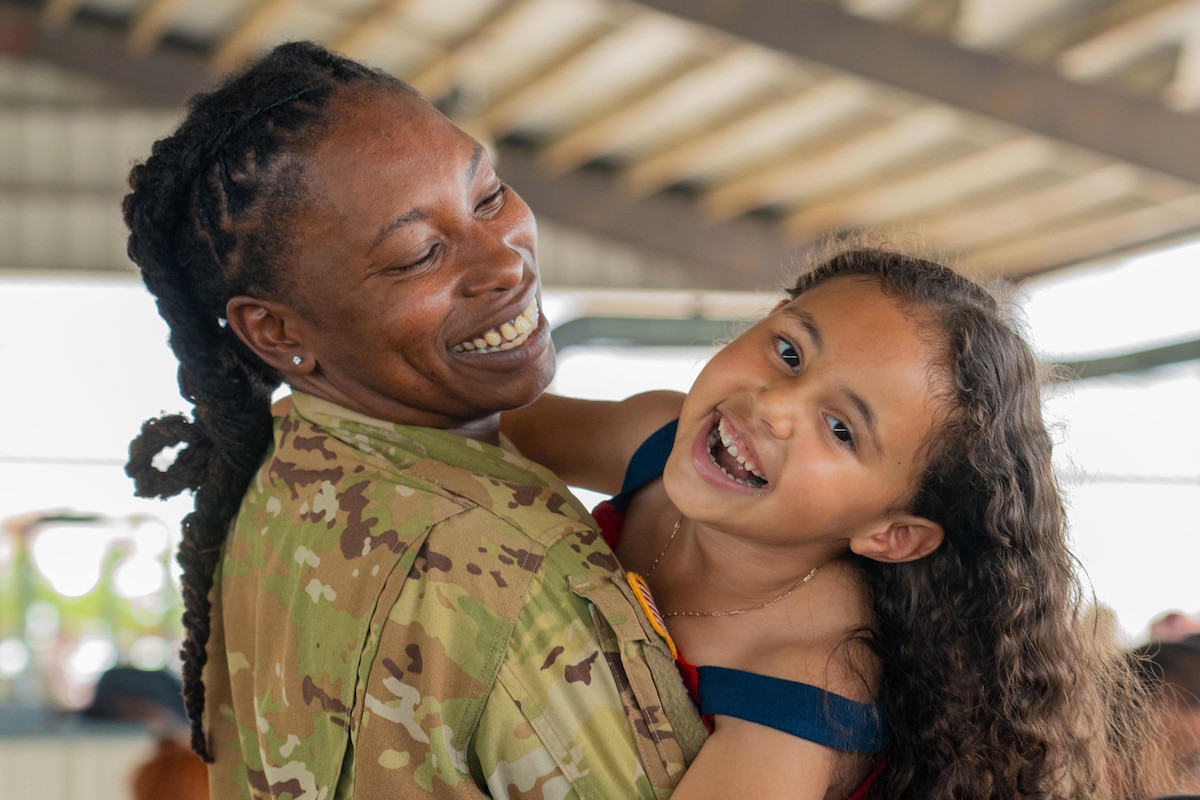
(885, 202)
(440, 75)
(987, 24)
(763, 130)
(165, 77)
(1099, 118)
(148, 27)
(1111, 51)
(745, 254)
(248, 35)
(367, 25)
(1008, 220)
(1099, 238)
(815, 171)
(59, 13)
(741, 254)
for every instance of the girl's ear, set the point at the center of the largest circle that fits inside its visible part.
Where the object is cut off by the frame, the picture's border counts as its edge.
(264, 327)
(905, 539)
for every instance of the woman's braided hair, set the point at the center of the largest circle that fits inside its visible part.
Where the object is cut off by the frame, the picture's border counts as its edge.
(208, 216)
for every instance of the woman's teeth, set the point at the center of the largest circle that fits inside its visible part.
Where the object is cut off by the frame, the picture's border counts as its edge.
(720, 434)
(506, 337)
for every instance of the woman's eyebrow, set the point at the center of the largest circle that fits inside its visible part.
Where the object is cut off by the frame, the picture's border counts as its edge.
(417, 214)
(406, 218)
(476, 159)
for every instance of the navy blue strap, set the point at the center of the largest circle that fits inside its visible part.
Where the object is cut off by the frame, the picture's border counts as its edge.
(796, 708)
(647, 462)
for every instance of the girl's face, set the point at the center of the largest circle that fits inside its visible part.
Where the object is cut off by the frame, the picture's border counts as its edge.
(411, 254)
(809, 426)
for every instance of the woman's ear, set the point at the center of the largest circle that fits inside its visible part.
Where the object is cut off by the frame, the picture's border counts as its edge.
(905, 539)
(267, 329)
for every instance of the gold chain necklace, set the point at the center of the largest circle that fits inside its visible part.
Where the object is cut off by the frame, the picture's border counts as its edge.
(735, 612)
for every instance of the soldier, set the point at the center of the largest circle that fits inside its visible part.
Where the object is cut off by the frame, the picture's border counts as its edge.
(382, 598)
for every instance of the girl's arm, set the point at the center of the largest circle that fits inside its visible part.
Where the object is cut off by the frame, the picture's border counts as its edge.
(588, 443)
(742, 759)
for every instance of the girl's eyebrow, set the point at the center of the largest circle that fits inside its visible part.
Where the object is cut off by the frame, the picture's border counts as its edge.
(806, 321)
(809, 324)
(868, 417)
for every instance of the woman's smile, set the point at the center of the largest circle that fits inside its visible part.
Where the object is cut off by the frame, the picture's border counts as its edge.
(505, 336)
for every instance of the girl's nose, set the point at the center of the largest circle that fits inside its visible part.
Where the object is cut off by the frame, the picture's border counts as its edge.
(775, 405)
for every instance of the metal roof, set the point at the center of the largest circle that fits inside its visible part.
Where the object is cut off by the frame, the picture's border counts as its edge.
(692, 143)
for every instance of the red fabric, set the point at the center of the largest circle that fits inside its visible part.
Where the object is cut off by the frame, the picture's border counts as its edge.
(611, 521)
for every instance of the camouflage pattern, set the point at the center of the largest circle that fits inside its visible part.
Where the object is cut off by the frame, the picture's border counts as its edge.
(401, 612)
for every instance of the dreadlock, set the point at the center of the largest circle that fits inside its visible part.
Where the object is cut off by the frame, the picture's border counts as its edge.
(208, 214)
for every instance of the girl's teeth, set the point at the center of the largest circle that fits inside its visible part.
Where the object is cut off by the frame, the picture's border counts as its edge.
(727, 442)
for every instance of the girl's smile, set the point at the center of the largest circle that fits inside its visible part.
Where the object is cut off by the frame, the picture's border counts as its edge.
(811, 424)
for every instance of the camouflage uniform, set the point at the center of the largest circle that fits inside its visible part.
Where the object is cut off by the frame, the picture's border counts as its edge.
(403, 611)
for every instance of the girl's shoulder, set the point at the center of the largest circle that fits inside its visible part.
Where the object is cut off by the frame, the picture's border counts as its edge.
(823, 641)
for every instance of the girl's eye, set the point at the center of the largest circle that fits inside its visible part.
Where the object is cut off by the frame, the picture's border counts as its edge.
(841, 431)
(493, 201)
(788, 353)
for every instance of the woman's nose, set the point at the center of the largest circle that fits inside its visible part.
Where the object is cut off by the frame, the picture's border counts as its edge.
(495, 264)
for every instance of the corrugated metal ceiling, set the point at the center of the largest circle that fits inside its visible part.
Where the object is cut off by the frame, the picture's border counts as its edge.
(713, 139)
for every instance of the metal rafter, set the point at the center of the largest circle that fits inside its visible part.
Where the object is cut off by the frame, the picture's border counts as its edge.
(1103, 236)
(789, 118)
(366, 26)
(889, 201)
(987, 24)
(248, 35)
(58, 14)
(436, 78)
(501, 115)
(819, 170)
(1098, 118)
(601, 133)
(147, 28)
(1110, 51)
(741, 255)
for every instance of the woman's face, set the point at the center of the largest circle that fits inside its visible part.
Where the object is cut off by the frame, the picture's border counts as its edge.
(407, 256)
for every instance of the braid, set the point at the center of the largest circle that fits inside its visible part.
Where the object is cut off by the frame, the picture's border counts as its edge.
(207, 214)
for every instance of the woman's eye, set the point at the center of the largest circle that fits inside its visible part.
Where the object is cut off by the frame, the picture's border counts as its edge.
(788, 353)
(841, 431)
(430, 254)
(493, 201)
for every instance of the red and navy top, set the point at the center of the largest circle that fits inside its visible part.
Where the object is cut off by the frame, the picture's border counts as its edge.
(797, 708)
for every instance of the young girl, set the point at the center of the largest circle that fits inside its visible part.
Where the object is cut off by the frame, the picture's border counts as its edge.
(851, 527)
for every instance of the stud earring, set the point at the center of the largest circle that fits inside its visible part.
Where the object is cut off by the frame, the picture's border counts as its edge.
(297, 360)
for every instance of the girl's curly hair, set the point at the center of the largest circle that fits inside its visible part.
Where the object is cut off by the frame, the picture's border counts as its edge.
(995, 684)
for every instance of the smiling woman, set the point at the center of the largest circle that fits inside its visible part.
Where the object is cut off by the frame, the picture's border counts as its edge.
(382, 596)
